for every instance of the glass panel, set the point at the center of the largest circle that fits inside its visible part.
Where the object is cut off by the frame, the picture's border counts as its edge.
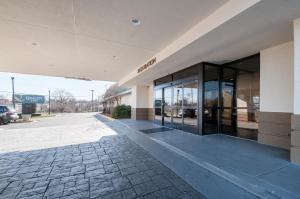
(167, 106)
(163, 80)
(190, 103)
(210, 101)
(177, 106)
(236, 112)
(189, 72)
(248, 100)
(228, 115)
(228, 121)
(158, 105)
(228, 86)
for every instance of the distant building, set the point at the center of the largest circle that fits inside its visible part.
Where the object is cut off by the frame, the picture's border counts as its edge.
(5, 102)
(111, 102)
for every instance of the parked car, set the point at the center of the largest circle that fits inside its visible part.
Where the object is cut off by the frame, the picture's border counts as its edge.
(3, 117)
(188, 113)
(7, 114)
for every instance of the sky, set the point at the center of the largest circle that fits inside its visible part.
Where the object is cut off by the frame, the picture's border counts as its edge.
(39, 85)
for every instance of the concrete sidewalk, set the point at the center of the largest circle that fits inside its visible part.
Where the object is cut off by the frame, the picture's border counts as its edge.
(219, 165)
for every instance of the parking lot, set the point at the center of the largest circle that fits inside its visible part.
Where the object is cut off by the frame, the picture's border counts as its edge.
(61, 130)
(78, 156)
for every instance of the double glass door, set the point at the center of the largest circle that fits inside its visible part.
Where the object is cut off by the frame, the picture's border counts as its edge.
(178, 106)
(219, 100)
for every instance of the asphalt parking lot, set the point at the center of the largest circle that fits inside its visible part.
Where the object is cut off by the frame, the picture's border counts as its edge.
(78, 156)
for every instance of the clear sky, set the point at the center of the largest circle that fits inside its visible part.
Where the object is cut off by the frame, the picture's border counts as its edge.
(39, 85)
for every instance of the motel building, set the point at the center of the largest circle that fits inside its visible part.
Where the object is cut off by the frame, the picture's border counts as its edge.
(204, 67)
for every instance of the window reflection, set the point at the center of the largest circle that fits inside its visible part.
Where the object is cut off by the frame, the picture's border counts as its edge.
(228, 113)
(168, 106)
(189, 111)
(158, 105)
(177, 106)
(248, 100)
(210, 103)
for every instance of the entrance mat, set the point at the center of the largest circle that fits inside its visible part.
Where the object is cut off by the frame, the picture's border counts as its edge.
(155, 130)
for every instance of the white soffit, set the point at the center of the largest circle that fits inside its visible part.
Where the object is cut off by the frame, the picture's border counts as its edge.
(235, 30)
(92, 39)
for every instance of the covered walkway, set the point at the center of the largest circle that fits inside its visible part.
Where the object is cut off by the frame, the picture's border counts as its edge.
(219, 165)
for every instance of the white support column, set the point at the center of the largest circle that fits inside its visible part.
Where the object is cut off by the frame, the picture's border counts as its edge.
(142, 108)
(295, 134)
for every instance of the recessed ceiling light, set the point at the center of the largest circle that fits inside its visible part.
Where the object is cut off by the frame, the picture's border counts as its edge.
(135, 21)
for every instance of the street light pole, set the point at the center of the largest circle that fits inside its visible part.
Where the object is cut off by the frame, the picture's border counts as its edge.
(49, 102)
(92, 100)
(13, 91)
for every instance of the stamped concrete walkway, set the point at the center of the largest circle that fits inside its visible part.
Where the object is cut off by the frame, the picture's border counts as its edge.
(111, 167)
(220, 166)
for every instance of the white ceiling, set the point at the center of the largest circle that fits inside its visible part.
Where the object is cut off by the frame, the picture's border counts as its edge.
(79, 38)
(266, 24)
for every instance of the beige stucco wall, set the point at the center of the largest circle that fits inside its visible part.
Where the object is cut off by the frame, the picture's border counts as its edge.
(126, 99)
(142, 102)
(140, 96)
(276, 95)
(276, 79)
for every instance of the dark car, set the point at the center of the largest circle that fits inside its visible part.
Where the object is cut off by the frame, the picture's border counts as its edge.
(192, 113)
(3, 117)
(7, 115)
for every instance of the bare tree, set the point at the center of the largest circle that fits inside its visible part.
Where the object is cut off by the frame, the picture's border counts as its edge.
(110, 97)
(63, 100)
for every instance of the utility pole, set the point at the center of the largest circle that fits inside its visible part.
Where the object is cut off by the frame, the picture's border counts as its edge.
(92, 100)
(49, 110)
(13, 92)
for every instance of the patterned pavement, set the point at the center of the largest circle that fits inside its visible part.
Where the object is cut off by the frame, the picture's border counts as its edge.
(113, 167)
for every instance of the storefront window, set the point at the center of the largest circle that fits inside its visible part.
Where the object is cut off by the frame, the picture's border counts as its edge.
(229, 103)
(248, 100)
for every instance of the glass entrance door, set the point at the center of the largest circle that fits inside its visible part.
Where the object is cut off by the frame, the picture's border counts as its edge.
(211, 100)
(158, 103)
(179, 106)
(228, 102)
(167, 106)
(177, 114)
(219, 100)
(190, 104)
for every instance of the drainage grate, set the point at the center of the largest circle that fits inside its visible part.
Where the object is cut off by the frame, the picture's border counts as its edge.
(155, 130)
